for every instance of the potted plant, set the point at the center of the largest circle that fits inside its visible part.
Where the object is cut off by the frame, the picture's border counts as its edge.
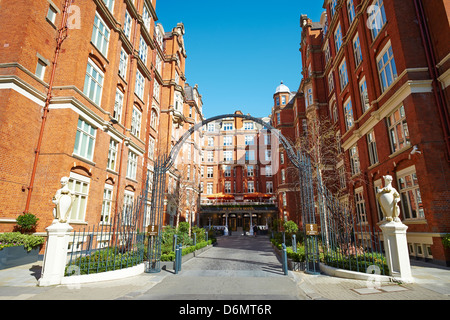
(20, 247)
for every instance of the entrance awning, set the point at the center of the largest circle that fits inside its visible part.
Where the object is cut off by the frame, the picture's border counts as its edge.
(257, 195)
(220, 196)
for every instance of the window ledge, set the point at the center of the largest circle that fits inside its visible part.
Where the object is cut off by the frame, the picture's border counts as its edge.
(83, 159)
(396, 153)
(415, 221)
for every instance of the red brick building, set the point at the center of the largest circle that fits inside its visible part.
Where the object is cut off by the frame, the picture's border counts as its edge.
(380, 71)
(237, 174)
(104, 121)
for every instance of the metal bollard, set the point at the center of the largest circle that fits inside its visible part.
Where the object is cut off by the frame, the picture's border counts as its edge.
(176, 260)
(284, 259)
(180, 254)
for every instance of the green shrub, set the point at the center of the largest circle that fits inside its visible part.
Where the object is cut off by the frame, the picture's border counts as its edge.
(446, 240)
(106, 259)
(358, 262)
(170, 256)
(290, 227)
(15, 239)
(26, 222)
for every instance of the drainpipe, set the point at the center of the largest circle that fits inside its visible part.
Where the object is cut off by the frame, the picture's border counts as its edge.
(130, 72)
(431, 61)
(62, 35)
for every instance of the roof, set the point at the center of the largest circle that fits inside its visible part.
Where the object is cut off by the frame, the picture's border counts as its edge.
(282, 88)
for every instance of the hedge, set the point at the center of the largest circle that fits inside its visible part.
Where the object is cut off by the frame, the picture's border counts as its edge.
(16, 239)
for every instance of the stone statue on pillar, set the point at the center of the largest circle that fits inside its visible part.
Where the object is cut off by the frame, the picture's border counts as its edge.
(63, 200)
(388, 198)
(58, 234)
(394, 233)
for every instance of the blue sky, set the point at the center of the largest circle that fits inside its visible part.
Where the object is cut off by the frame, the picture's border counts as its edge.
(239, 51)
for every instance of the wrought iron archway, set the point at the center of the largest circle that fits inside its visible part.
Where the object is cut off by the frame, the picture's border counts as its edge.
(299, 160)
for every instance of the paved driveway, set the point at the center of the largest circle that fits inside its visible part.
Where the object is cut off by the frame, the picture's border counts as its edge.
(239, 267)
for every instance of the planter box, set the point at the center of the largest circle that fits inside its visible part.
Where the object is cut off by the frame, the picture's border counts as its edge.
(15, 256)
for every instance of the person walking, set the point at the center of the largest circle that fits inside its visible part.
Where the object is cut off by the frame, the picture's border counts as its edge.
(255, 229)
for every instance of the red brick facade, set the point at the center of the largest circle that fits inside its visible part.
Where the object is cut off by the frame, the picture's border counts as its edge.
(383, 79)
(105, 121)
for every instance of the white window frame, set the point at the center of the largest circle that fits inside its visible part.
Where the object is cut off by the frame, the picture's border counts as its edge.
(227, 171)
(343, 74)
(143, 50)
(376, 18)
(354, 160)
(387, 69)
(410, 194)
(118, 106)
(397, 124)
(128, 201)
(112, 154)
(227, 187)
(364, 95)
(210, 172)
(351, 11)
(136, 120)
(268, 171)
(93, 82)
(100, 35)
(357, 50)
(360, 205)
(249, 125)
(132, 162)
(269, 187)
(151, 147)
(338, 38)
(123, 63)
(105, 216)
(51, 14)
(377, 186)
(249, 140)
(249, 155)
(330, 82)
(250, 186)
(78, 211)
(227, 126)
(139, 85)
(372, 147)
(228, 155)
(154, 119)
(348, 114)
(250, 171)
(227, 140)
(146, 17)
(85, 140)
(127, 23)
(40, 69)
(109, 4)
(210, 156)
(209, 188)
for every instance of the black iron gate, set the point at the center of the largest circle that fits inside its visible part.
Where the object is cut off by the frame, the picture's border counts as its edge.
(339, 235)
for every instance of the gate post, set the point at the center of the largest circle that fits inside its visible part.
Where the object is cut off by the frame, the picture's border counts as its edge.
(55, 254)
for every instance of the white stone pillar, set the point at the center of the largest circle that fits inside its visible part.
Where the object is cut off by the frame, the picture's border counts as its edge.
(396, 249)
(55, 257)
(251, 224)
